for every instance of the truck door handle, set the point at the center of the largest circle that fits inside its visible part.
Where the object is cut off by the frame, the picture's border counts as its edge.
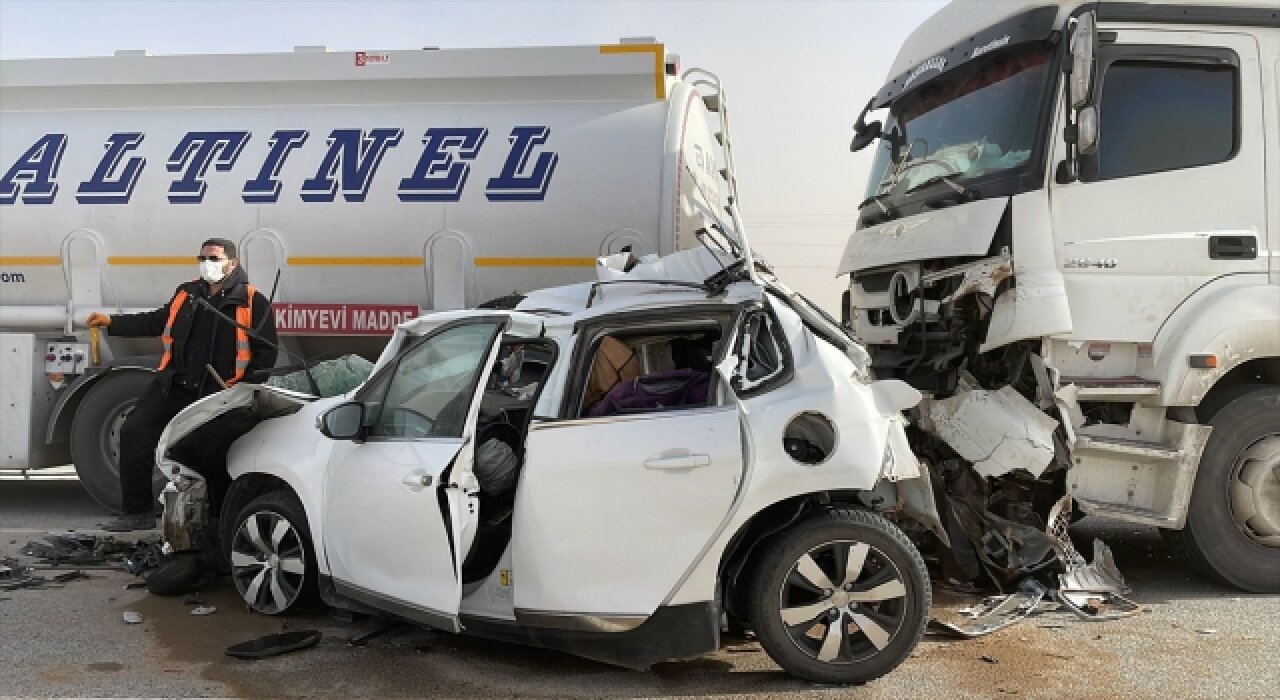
(417, 479)
(1233, 248)
(688, 461)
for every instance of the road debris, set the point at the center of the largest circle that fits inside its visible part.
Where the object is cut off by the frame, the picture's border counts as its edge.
(132, 617)
(83, 550)
(275, 644)
(995, 612)
(1092, 590)
(204, 610)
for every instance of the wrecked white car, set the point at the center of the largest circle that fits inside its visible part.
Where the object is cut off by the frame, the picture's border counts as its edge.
(620, 470)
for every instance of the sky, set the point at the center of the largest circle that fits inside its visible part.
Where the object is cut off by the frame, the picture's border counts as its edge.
(796, 74)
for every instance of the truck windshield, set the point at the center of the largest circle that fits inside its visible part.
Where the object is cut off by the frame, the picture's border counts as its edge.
(976, 120)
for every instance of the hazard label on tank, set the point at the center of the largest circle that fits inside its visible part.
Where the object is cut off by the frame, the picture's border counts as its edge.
(341, 319)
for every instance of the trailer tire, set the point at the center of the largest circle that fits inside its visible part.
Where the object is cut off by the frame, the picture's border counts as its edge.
(1237, 472)
(95, 440)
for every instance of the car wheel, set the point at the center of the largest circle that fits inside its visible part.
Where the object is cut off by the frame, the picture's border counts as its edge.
(272, 560)
(841, 598)
(1232, 533)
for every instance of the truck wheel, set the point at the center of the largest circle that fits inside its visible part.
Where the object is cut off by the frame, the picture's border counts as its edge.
(272, 560)
(841, 598)
(1233, 525)
(95, 434)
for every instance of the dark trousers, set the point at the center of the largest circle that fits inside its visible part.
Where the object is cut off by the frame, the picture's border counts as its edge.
(138, 438)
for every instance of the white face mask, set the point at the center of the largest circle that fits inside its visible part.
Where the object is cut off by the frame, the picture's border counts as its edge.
(212, 272)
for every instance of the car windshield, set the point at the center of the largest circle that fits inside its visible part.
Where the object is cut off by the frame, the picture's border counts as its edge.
(975, 120)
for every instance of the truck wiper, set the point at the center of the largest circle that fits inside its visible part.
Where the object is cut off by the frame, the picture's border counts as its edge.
(878, 199)
(958, 189)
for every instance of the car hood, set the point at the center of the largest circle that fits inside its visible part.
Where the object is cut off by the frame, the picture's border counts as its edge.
(261, 401)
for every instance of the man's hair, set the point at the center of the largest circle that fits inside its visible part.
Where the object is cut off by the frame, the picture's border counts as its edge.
(227, 246)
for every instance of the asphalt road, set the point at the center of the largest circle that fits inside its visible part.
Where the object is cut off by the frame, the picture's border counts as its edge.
(1197, 640)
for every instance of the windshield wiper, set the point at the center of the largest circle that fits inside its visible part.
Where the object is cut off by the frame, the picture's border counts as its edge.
(878, 199)
(958, 189)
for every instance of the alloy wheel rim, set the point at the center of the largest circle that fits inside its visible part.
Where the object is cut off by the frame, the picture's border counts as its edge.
(268, 562)
(1254, 491)
(843, 602)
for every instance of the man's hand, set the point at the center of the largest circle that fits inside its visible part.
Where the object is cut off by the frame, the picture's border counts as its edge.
(98, 320)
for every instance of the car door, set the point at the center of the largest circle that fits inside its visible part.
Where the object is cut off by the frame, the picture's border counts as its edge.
(611, 512)
(1175, 196)
(400, 507)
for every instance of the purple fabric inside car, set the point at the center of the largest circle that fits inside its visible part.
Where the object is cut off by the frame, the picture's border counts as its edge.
(677, 387)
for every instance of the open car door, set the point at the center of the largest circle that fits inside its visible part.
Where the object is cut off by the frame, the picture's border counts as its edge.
(400, 505)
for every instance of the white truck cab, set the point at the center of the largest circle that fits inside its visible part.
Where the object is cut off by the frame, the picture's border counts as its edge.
(1070, 242)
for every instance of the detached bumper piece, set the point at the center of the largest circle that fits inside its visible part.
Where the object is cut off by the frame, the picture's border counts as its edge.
(1093, 590)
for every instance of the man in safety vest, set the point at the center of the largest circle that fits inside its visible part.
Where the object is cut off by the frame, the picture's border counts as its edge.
(197, 344)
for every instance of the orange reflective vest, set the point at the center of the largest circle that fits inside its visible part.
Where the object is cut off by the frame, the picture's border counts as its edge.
(244, 317)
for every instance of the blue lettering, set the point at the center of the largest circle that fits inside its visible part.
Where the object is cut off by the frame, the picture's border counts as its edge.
(31, 177)
(514, 184)
(353, 157)
(192, 157)
(440, 174)
(106, 186)
(265, 188)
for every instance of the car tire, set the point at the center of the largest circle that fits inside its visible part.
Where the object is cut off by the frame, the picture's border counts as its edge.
(272, 560)
(1232, 533)
(882, 604)
(95, 435)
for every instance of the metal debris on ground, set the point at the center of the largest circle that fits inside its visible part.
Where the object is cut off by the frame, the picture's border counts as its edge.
(83, 550)
(995, 612)
(131, 617)
(1092, 590)
(204, 610)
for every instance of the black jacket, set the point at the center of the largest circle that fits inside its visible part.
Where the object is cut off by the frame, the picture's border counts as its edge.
(191, 352)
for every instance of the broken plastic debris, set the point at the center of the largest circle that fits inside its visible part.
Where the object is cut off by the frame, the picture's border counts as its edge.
(275, 644)
(131, 617)
(204, 610)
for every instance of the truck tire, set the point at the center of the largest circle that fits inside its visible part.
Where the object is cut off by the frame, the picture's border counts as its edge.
(1232, 532)
(806, 580)
(95, 434)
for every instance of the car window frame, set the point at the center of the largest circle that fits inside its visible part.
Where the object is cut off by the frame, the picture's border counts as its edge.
(588, 335)
(1161, 54)
(386, 375)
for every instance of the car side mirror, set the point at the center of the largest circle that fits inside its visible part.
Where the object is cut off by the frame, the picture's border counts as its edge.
(343, 422)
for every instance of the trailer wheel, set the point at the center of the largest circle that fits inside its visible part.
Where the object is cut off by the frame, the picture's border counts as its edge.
(95, 434)
(1233, 525)
(840, 598)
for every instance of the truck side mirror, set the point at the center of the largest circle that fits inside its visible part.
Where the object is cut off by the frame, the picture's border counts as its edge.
(343, 422)
(1084, 51)
(862, 137)
(1082, 115)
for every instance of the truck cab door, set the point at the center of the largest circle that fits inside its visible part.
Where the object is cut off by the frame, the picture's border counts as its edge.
(1175, 196)
(401, 506)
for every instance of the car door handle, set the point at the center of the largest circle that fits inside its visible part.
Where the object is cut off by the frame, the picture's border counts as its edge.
(677, 462)
(416, 479)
